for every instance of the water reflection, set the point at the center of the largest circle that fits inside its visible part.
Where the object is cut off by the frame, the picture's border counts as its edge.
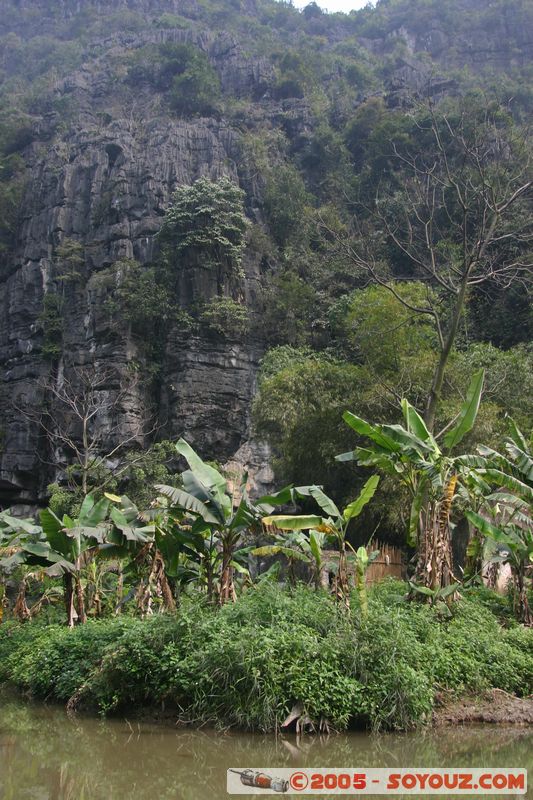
(45, 755)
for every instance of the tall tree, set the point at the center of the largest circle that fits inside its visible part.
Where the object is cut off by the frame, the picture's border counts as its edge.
(451, 211)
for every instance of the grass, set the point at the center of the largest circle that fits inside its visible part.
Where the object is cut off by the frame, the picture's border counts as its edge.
(248, 664)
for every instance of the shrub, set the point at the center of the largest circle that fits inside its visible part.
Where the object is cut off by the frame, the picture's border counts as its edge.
(248, 664)
(224, 317)
(206, 224)
(180, 69)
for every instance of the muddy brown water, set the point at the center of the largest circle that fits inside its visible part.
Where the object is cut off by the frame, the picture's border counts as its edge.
(45, 755)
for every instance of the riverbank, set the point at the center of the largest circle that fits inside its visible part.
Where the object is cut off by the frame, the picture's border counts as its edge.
(493, 707)
(250, 664)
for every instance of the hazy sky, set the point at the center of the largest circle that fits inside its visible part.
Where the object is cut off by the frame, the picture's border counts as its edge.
(334, 5)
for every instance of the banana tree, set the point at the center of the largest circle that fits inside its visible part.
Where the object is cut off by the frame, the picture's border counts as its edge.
(296, 546)
(363, 559)
(66, 547)
(13, 533)
(506, 517)
(412, 455)
(335, 525)
(138, 537)
(219, 515)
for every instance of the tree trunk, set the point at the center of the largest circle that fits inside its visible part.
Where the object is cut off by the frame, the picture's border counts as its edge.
(21, 610)
(69, 598)
(209, 577)
(440, 369)
(524, 613)
(120, 589)
(435, 560)
(80, 601)
(323, 578)
(493, 571)
(342, 589)
(474, 560)
(162, 581)
(227, 588)
(360, 584)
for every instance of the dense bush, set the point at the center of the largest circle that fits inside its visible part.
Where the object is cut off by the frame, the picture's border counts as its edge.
(223, 316)
(206, 225)
(182, 70)
(248, 664)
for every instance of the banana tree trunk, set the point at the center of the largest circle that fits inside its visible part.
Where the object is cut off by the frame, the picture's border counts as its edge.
(360, 585)
(161, 579)
(227, 587)
(474, 560)
(323, 578)
(493, 570)
(524, 613)
(342, 589)
(69, 598)
(120, 589)
(80, 601)
(21, 610)
(435, 560)
(209, 579)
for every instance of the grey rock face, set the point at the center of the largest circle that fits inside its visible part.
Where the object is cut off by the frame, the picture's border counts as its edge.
(100, 172)
(105, 183)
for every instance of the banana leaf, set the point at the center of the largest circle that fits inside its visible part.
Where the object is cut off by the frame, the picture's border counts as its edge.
(468, 412)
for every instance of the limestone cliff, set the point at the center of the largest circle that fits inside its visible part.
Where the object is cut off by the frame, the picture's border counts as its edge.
(102, 158)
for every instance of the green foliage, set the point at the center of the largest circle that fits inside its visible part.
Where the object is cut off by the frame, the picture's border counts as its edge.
(280, 358)
(248, 664)
(379, 350)
(291, 307)
(335, 526)
(169, 21)
(325, 160)
(386, 335)
(205, 225)
(63, 500)
(69, 260)
(181, 70)
(135, 476)
(506, 520)
(294, 75)
(285, 201)
(138, 295)
(412, 456)
(205, 506)
(11, 193)
(508, 385)
(195, 85)
(223, 316)
(299, 410)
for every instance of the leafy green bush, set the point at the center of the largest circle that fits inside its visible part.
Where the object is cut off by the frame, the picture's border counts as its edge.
(285, 203)
(205, 225)
(225, 317)
(180, 69)
(195, 88)
(137, 294)
(248, 664)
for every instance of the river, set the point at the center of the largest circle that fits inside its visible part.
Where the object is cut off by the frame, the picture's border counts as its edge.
(45, 755)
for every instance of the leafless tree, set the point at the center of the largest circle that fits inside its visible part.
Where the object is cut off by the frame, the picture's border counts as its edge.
(459, 217)
(83, 420)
